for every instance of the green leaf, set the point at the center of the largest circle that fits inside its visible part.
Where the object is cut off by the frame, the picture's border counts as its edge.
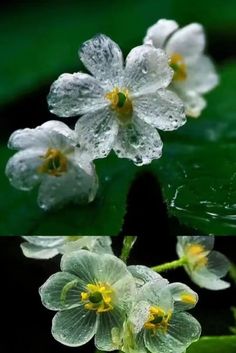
(226, 344)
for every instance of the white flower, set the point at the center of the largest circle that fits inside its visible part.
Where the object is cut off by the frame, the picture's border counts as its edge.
(48, 156)
(46, 247)
(121, 107)
(204, 266)
(92, 295)
(194, 72)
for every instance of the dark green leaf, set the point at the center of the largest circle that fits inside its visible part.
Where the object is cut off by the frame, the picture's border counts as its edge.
(226, 344)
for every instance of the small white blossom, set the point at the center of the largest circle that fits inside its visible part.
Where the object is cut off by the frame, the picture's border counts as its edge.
(48, 156)
(121, 106)
(204, 266)
(194, 72)
(46, 247)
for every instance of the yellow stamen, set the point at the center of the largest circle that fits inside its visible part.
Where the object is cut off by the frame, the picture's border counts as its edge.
(177, 63)
(196, 254)
(188, 298)
(55, 163)
(158, 319)
(98, 297)
(121, 103)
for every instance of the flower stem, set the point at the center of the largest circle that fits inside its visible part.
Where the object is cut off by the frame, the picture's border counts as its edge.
(170, 265)
(128, 243)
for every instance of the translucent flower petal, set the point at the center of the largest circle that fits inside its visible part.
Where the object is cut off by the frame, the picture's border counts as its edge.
(201, 76)
(21, 169)
(160, 32)
(143, 274)
(146, 70)
(28, 138)
(103, 58)
(74, 327)
(193, 102)
(37, 252)
(184, 297)
(163, 110)
(139, 142)
(61, 291)
(97, 131)
(75, 186)
(46, 241)
(75, 94)
(207, 280)
(188, 41)
(103, 245)
(100, 245)
(206, 241)
(139, 315)
(217, 263)
(183, 329)
(106, 322)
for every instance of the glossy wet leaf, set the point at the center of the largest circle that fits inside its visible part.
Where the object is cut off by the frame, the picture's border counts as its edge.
(226, 344)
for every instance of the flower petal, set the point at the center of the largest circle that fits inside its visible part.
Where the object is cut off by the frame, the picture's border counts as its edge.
(37, 252)
(146, 70)
(103, 58)
(183, 329)
(139, 142)
(208, 281)
(184, 297)
(61, 291)
(96, 132)
(217, 263)
(75, 186)
(75, 94)
(74, 327)
(201, 76)
(188, 41)
(21, 169)
(143, 274)
(45, 241)
(156, 293)
(106, 322)
(158, 34)
(163, 110)
(206, 241)
(193, 102)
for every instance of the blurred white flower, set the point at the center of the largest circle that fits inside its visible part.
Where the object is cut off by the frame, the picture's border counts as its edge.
(204, 266)
(194, 72)
(121, 106)
(46, 247)
(48, 156)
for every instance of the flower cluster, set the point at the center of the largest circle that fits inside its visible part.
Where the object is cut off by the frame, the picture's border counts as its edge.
(127, 308)
(120, 107)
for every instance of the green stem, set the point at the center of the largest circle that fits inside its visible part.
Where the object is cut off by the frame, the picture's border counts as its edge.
(128, 243)
(170, 265)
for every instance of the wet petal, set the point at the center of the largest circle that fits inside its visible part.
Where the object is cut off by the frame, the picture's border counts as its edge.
(184, 297)
(160, 32)
(188, 41)
(207, 280)
(96, 132)
(183, 329)
(103, 58)
(139, 142)
(156, 293)
(61, 291)
(37, 252)
(75, 186)
(106, 322)
(45, 241)
(193, 102)
(146, 70)
(217, 263)
(163, 110)
(143, 274)
(21, 169)
(74, 327)
(75, 94)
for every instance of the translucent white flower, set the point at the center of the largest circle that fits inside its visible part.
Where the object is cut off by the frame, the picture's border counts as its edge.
(92, 295)
(204, 266)
(158, 322)
(194, 72)
(121, 106)
(46, 247)
(48, 156)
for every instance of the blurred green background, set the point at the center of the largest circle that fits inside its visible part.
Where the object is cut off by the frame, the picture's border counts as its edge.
(40, 40)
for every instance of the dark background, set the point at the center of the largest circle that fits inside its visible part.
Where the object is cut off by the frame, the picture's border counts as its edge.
(25, 323)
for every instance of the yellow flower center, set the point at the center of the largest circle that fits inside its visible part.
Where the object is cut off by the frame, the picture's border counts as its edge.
(98, 297)
(121, 103)
(55, 163)
(196, 254)
(158, 319)
(188, 298)
(177, 63)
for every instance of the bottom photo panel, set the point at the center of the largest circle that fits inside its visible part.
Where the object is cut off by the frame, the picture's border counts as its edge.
(126, 294)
